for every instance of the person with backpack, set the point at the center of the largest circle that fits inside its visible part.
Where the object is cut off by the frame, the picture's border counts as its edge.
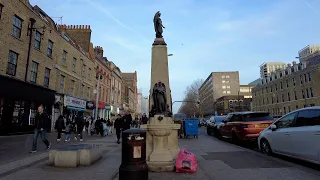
(118, 125)
(59, 126)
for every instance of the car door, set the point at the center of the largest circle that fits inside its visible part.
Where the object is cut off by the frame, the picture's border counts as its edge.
(280, 138)
(225, 127)
(305, 135)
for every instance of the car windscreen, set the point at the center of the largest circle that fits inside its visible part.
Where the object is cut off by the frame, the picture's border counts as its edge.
(219, 118)
(257, 117)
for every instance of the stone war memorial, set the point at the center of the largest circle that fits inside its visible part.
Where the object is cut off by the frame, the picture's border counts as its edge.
(162, 133)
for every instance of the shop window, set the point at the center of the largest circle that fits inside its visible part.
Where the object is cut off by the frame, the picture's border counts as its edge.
(46, 77)
(12, 63)
(18, 112)
(37, 40)
(16, 26)
(49, 49)
(33, 112)
(34, 72)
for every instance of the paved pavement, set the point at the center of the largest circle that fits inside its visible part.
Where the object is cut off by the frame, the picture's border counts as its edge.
(217, 160)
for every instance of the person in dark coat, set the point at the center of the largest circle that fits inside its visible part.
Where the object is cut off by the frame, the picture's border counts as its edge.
(99, 127)
(144, 119)
(118, 125)
(42, 123)
(59, 126)
(80, 122)
(127, 121)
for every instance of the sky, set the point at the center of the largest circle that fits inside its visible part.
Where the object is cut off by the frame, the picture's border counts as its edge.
(203, 35)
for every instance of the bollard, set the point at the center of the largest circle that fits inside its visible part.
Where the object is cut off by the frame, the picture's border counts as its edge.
(133, 162)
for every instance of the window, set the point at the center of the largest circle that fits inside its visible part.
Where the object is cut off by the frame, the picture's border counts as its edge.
(307, 92)
(64, 58)
(227, 81)
(81, 90)
(308, 118)
(282, 97)
(227, 76)
(12, 63)
(49, 50)
(301, 79)
(297, 107)
(228, 87)
(34, 72)
(311, 92)
(224, 92)
(223, 81)
(1, 7)
(295, 95)
(310, 76)
(62, 77)
(74, 64)
(250, 117)
(89, 73)
(88, 93)
(83, 69)
(223, 76)
(286, 121)
(287, 83)
(72, 87)
(46, 77)
(305, 78)
(289, 109)
(284, 110)
(37, 40)
(303, 94)
(276, 87)
(228, 92)
(281, 85)
(294, 81)
(289, 99)
(17, 25)
(223, 87)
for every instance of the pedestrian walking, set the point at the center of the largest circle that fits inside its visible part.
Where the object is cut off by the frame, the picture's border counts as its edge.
(118, 125)
(144, 119)
(127, 121)
(80, 122)
(59, 126)
(99, 127)
(42, 124)
(109, 125)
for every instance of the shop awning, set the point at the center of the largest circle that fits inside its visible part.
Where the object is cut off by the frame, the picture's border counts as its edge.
(76, 109)
(16, 89)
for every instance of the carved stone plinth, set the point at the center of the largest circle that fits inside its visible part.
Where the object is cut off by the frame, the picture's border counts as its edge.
(162, 144)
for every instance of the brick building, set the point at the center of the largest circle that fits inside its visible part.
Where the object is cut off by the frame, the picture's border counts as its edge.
(232, 103)
(40, 63)
(131, 80)
(286, 90)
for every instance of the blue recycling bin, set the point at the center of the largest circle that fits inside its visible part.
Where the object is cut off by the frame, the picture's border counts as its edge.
(191, 127)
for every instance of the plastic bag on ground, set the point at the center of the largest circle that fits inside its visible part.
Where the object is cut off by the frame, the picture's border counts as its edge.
(186, 162)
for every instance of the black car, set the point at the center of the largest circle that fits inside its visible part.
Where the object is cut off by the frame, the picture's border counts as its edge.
(213, 122)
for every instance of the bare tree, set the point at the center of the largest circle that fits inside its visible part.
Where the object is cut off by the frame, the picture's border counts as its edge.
(191, 108)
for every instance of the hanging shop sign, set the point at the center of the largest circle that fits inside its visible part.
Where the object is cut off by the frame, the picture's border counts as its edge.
(74, 102)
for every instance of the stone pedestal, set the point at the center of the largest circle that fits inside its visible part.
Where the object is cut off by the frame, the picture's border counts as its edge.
(162, 133)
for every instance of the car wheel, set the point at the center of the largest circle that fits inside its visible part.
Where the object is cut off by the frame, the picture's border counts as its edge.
(234, 138)
(218, 135)
(265, 147)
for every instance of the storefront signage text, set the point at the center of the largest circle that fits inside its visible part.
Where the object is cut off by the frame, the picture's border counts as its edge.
(74, 102)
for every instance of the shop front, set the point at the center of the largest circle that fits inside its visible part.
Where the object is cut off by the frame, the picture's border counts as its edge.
(90, 106)
(19, 102)
(72, 107)
(107, 111)
(101, 110)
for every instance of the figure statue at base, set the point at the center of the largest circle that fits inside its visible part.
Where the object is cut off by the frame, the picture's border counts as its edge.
(159, 98)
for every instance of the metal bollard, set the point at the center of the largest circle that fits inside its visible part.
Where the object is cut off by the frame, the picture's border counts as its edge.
(133, 163)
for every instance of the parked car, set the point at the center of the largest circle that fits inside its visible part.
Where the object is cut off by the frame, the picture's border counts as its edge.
(244, 126)
(213, 123)
(276, 117)
(296, 134)
(202, 122)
